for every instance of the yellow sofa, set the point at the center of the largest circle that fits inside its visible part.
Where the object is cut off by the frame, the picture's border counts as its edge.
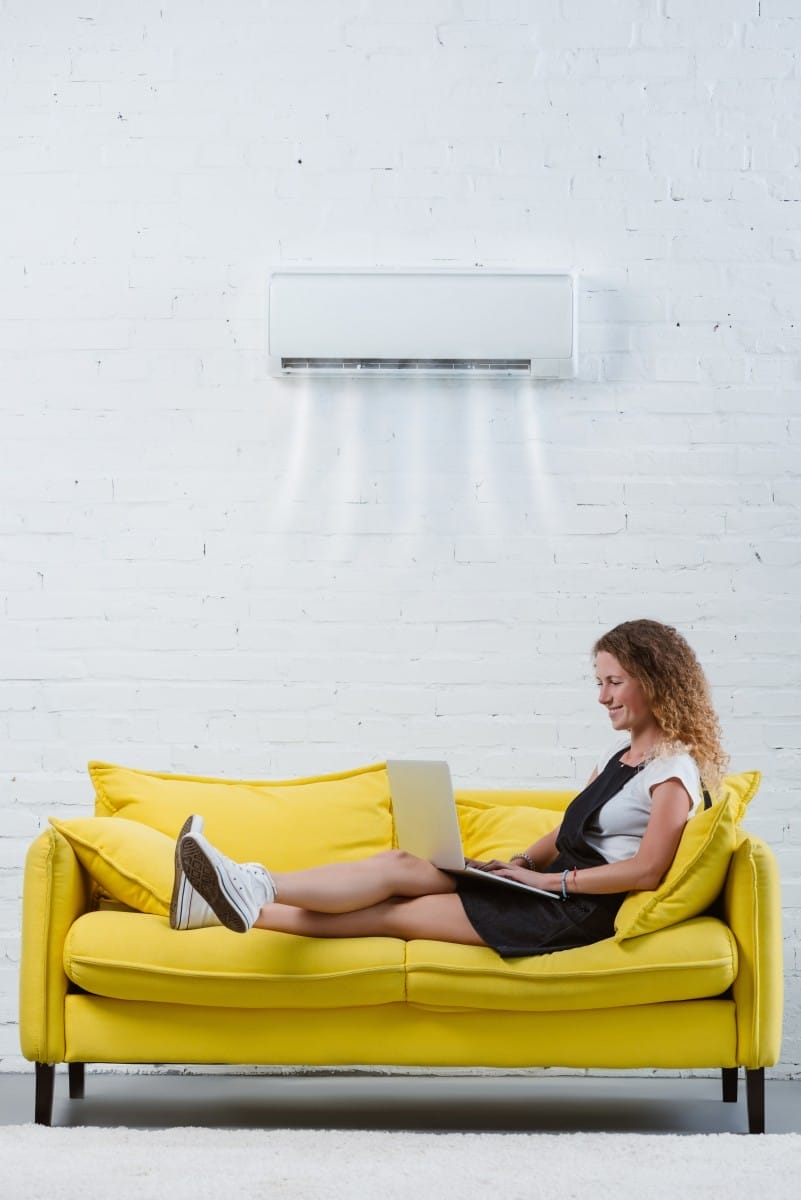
(692, 978)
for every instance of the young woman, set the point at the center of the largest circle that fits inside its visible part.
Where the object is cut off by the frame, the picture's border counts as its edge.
(620, 834)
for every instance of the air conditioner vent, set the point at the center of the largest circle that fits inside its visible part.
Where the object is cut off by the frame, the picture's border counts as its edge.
(421, 366)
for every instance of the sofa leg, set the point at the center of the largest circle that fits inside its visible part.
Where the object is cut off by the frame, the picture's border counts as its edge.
(755, 1092)
(45, 1081)
(76, 1079)
(729, 1077)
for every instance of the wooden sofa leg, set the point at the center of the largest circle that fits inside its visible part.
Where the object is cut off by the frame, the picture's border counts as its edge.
(755, 1092)
(76, 1078)
(729, 1078)
(45, 1082)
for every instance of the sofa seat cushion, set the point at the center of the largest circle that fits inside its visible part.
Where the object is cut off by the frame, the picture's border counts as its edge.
(682, 962)
(134, 956)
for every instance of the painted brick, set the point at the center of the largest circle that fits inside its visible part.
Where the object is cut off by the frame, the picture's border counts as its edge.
(773, 9)
(206, 570)
(732, 10)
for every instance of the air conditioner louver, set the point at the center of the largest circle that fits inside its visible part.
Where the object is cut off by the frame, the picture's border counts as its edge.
(421, 366)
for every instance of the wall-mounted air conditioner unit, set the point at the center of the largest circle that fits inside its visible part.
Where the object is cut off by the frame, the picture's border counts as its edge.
(453, 323)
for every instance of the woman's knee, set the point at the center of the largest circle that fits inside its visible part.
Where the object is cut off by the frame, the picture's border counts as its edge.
(398, 866)
(398, 858)
(412, 876)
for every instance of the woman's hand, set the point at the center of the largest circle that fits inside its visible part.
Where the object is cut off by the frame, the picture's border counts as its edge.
(482, 865)
(514, 870)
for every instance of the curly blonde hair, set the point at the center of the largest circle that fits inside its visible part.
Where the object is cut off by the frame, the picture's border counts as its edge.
(676, 690)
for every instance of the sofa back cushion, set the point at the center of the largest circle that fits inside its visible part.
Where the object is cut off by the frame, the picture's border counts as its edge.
(286, 824)
(499, 830)
(696, 876)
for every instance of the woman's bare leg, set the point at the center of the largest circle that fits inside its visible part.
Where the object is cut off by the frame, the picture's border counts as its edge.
(346, 887)
(439, 918)
(242, 894)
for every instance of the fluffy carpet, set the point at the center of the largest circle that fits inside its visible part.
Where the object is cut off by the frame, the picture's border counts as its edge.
(207, 1164)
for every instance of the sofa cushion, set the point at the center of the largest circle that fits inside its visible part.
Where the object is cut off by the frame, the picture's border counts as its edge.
(286, 824)
(554, 800)
(500, 830)
(132, 956)
(696, 959)
(130, 862)
(740, 790)
(698, 871)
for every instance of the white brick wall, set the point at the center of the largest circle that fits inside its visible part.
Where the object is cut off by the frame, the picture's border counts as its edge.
(206, 570)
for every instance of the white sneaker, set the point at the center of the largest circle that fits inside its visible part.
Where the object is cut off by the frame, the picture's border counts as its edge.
(235, 892)
(188, 909)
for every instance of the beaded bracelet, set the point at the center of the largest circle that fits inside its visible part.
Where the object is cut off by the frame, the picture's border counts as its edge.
(532, 866)
(565, 874)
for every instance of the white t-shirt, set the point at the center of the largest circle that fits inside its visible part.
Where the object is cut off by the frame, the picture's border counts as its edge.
(616, 831)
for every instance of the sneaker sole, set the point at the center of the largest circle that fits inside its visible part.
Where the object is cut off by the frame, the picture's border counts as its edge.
(204, 879)
(179, 901)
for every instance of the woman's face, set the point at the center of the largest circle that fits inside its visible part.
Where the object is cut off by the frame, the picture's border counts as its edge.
(622, 695)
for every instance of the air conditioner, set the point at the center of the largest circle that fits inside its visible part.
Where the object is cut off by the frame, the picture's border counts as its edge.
(447, 323)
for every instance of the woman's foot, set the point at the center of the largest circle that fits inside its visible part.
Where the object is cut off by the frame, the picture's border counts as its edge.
(188, 909)
(235, 892)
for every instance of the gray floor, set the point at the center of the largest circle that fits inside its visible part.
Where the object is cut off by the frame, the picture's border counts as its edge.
(544, 1103)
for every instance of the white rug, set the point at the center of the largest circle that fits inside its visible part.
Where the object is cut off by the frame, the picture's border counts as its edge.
(37, 1163)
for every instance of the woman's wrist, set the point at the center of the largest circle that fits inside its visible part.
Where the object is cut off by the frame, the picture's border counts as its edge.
(563, 883)
(568, 882)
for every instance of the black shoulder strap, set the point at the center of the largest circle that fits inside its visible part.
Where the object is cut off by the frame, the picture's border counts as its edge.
(581, 810)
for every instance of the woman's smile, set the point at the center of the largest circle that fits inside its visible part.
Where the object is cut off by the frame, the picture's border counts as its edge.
(621, 695)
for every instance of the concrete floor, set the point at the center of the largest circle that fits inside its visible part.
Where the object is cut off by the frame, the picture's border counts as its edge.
(543, 1103)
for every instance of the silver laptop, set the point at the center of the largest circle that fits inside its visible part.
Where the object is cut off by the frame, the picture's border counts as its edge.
(426, 821)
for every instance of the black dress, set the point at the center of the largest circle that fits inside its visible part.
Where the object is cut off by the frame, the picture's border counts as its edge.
(517, 923)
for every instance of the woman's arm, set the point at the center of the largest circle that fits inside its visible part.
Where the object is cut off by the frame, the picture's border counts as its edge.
(540, 852)
(642, 872)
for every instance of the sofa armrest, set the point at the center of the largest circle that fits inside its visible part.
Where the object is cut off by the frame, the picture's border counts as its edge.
(752, 906)
(55, 893)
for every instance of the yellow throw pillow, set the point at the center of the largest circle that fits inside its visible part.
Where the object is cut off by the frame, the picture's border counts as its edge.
(286, 824)
(131, 862)
(698, 871)
(740, 790)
